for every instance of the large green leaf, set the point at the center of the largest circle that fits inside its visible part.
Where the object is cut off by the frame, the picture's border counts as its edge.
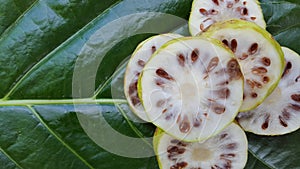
(61, 69)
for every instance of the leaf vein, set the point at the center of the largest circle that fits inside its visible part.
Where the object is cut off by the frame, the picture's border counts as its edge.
(137, 132)
(261, 160)
(10, 158)
(59, 139)
(17, 20)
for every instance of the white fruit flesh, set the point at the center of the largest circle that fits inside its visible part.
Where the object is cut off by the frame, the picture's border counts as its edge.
(227, 150)
(259, 55)
(135, 65)
(280, 112)
(191, 88)
(206, 12)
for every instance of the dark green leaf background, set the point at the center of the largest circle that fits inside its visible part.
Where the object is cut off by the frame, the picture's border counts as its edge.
(40, 42)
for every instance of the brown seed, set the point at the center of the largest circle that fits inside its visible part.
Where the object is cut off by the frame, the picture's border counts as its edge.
(172, 157)
(181, 150)
(141, 63)
(227, 164)
(233, 69)
(218, 108)
(266, 79)
(287, 68)
(244, 11)
(153, 49)
(195, 55)
(202, 27)
(132, 88)
(233, 45)
(225, 42)
(197, 122)
(230, 155)
(295, 97)
(245, 2)
(297, 78)
(252, 18)
(282, 121)
(213, 12)
(162, 73)
(229, 5)
(213, 63)
(253, 83)
(217, 167)
(179, 165)
(159, 82)
(203, 11)
(174, 141)
(172, 149)
(231, 146)
(254, 95)
(223, 83)
(184, 127)
(244, 56)
(285, 114)
(181, 59)
(265, 125)
(164, 111)
(257, 84)
(181, 144)
(169, 116)
(223, 93)
(160, 103)
(216, 2)
(259, 70)
(266, 61)
(294, 107)
(253, 48)
(182, 164)
(223, 135)
(178, 118)
(250, 83)
(135, 100)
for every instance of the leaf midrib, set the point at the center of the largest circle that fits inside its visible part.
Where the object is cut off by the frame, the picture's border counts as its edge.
(61, 101)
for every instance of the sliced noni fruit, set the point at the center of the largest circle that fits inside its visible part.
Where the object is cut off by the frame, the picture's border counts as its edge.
(135, 65)
(227, 150)
(206, 12)
(259, 55)
(280, 112)
(191, 88)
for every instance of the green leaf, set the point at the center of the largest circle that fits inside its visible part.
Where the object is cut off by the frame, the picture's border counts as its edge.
(61, 68)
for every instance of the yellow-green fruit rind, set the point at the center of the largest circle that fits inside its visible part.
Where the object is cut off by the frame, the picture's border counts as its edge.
(244, 26)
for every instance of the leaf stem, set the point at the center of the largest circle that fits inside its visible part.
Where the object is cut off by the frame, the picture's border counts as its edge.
(62, 101)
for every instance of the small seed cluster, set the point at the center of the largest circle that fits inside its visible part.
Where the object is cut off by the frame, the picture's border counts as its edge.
(260, 71)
